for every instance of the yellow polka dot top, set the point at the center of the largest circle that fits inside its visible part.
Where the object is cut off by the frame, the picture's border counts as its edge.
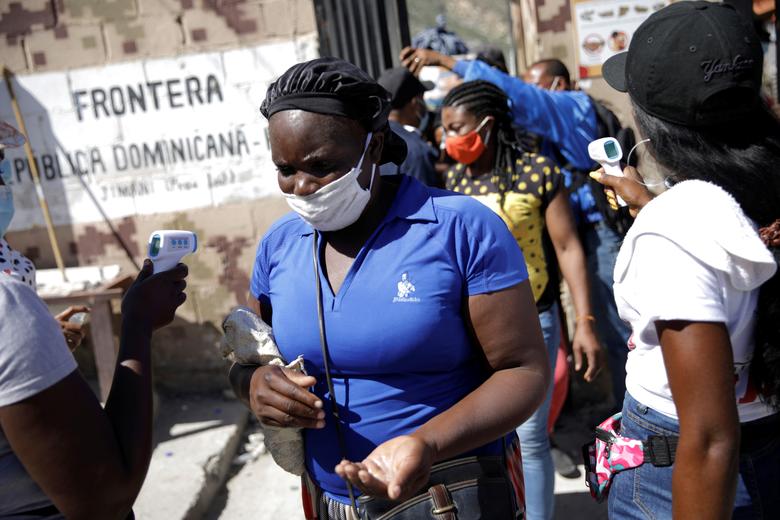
(533, 184)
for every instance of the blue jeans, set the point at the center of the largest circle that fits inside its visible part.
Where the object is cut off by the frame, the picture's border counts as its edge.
(601, 246)
(538, 469)
(645, 493)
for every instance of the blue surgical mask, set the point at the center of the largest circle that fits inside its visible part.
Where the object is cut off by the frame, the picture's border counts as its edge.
(5, 170)
(6, 209)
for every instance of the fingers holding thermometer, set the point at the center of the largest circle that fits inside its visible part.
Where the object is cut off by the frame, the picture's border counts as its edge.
(630, 187)
(607, 152)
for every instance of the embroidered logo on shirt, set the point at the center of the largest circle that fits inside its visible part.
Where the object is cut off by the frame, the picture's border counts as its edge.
(405, 290)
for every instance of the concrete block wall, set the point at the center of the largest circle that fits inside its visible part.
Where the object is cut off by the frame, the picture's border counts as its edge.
(42, 36)
(46, 35)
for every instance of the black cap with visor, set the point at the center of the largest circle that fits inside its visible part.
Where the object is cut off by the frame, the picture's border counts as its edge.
(691, 63)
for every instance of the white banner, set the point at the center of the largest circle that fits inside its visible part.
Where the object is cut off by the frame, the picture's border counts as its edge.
(603, 28)
(145, 137)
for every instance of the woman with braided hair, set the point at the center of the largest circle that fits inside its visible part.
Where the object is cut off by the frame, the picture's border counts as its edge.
(526, 190)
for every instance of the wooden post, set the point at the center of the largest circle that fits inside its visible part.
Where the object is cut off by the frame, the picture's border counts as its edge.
(518, 36)
(34, 171)
(524, 33)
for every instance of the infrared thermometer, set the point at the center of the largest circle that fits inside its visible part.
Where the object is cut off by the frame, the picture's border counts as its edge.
(606, 151)
(167, 247)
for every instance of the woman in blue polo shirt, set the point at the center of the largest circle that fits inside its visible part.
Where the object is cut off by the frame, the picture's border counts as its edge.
(428, 312)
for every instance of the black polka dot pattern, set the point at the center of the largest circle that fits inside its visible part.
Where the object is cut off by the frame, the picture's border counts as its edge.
(16, 265)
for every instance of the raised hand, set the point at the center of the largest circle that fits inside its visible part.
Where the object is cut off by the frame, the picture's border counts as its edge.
(415, 59)
(152, 300)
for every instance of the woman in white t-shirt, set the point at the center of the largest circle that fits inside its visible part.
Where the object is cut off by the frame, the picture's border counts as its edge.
(694, 279)
(62, 455)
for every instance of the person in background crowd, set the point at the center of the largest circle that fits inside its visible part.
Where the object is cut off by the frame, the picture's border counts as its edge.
(406, 114)
(550, 74)
(494, 57)
(15, 264)
(697, 275)
(566, 119)
(61, 454)
(465, 362)
(526, 191)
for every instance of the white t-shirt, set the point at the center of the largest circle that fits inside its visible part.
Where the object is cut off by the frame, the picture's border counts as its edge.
(691, 255)
(33, 357)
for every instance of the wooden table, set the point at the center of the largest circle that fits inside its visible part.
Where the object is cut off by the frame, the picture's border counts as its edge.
(101, 330)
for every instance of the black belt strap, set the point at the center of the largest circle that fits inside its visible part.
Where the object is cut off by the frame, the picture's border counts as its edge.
(660, 450)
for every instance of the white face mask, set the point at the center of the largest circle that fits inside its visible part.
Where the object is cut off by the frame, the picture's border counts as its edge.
(336, 205)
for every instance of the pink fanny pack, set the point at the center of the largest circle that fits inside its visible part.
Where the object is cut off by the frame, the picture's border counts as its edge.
(610, 453)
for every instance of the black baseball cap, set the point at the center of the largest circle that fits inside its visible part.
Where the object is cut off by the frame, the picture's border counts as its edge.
(402, 85)
(691, 63)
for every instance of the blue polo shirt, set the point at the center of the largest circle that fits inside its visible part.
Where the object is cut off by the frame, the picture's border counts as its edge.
(399, 347)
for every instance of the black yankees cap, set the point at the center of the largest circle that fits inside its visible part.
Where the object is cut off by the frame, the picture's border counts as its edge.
(691, 63)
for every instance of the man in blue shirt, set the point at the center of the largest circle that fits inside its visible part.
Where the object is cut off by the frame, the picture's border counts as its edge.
(566, 121)
(408, 109)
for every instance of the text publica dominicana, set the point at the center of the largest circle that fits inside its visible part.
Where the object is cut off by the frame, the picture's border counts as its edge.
(143, 97)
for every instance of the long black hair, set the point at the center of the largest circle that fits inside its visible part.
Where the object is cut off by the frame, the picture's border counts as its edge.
(743, 158)
(483, 99)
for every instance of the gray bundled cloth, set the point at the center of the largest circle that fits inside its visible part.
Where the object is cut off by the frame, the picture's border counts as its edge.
(249, 340)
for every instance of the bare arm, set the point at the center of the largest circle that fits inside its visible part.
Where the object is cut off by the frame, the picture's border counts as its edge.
(699, 363)
(91, 462)
(506, 327)
(571, 258)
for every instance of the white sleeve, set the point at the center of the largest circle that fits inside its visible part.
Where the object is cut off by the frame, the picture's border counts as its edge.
(33, 353)
(673, 285)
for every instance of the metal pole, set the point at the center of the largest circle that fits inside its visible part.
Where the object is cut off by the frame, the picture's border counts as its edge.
(34, 171)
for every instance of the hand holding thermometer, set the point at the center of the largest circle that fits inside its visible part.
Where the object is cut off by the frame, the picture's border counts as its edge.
(606, 151)
(167, 247)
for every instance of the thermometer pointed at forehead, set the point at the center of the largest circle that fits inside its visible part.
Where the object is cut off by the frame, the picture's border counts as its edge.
(167, 247)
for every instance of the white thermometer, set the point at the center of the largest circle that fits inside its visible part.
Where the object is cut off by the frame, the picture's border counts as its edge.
(167, 247)
(606, 151)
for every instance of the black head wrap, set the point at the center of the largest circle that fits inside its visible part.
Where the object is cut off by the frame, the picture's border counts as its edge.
(336, 87)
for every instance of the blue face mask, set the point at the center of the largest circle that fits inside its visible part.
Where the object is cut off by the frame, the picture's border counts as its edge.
(6, 209)
(5, 170)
